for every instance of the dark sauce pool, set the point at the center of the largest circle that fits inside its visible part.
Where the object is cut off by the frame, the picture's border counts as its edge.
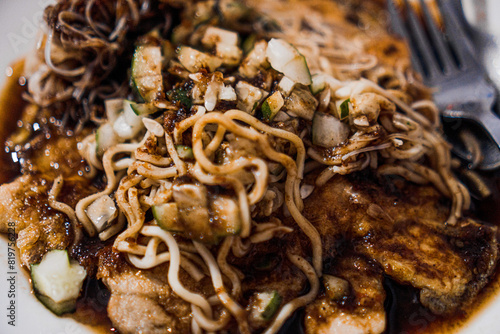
(404, 312)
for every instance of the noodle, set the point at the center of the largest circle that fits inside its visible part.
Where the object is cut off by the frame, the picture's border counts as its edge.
(196, 164)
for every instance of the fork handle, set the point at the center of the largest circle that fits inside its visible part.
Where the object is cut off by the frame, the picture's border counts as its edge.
(491, 122)
(486, 118)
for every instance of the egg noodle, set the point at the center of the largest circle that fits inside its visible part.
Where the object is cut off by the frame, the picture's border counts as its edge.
(260, 168)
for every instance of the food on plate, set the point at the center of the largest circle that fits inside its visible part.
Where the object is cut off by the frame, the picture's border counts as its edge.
(219, 165)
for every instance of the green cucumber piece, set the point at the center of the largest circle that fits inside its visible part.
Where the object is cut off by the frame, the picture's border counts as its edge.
(273, 301)
(105, 137)
(57, 281)
(166, 216)
(184, 152)
(263, 306)
(285, 58)
(68, 306)
(226, 218)
(146, 72)
(272, 105)
(318, 83)
(143, 109)
(344, 109)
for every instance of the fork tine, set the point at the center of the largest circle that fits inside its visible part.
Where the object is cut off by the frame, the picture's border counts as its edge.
(438, 38)
(423, 44)
(457, 37)
(399, 27)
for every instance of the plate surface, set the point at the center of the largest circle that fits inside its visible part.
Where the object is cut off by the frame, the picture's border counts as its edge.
(18, 31)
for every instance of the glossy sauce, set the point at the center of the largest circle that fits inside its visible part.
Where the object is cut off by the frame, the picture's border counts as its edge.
(405, 313)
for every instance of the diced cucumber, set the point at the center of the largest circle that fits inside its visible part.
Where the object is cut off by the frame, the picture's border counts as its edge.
(272, 301)
(146, 72)
(286, 59)
(192, 204)
(272, 106)
(131, 116)
(286, 86)
(113, 108)
(214, 35)
(318, 83)
(105, 137)
(57, 281)
(226, 216)
(129, 123)
(143, 109)
(184, 152)
(101, 212)
(249, 43)
(344, 109)
(328, 131)
(194, 60)
(68, 306)
(167, 217)
(263, 306)
(249, 96)
(123, 129)
(302, 103)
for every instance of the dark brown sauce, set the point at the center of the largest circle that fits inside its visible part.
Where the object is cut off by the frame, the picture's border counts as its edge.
(405, 313)
(11, 105)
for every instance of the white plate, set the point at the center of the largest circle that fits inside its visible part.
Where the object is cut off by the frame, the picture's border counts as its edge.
(18, 22)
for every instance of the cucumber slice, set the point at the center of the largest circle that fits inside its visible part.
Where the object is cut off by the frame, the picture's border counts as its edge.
(113, 108)
(286, 59)
(105, 137)
(146, 72)
(328, 131)
(184, 152)
(226, 218)
(194, 60)
(263, 306)
(143, 109)
(272, 106)
(129, 123)
(123, 129)
(60, 308)
(318, 83)
(249, 43)
(344, 109)
(166, 216)
(57, 281)
(272, 302)
(286, 86)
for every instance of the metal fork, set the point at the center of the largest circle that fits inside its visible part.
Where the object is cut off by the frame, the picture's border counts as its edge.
(447, 62)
